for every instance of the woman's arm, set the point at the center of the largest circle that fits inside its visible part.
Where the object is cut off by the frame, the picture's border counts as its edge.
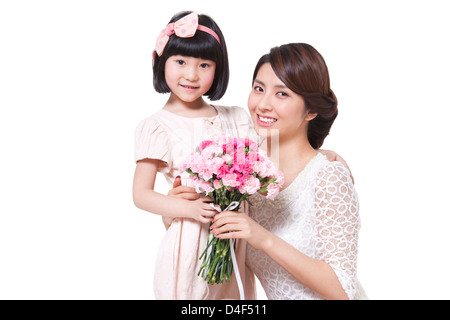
(315, 274)
(333, 156)
(147, 199)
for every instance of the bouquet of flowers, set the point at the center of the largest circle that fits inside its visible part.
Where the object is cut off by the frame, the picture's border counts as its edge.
(229, 170)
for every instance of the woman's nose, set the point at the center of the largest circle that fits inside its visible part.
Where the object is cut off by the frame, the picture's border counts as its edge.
(265, 103)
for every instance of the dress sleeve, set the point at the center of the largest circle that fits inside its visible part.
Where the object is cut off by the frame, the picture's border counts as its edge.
(338, 224)
(152, 142)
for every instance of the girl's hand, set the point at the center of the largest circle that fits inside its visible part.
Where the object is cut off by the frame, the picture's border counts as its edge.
(201, 210)
(333, 156)
(197, 208)
(237, 225)
(183, 192)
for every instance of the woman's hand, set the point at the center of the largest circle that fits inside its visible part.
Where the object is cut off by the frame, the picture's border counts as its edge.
(238, 225)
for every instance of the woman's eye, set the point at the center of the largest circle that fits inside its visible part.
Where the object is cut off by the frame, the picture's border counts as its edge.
(180, 62)
(282, 94)
(204, 65)
(258, 89)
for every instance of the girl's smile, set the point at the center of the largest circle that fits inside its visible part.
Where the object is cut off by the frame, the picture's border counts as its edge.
(189, 78)
(189, 88)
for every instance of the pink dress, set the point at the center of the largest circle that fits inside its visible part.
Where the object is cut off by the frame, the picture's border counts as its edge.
(171, 138)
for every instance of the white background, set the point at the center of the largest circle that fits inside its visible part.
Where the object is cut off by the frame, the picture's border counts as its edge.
(75, 79)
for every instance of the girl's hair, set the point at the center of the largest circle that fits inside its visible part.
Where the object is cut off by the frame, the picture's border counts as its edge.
(201, 45)
(303, 70)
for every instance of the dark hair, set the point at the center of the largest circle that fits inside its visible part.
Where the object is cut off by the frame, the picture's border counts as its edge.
(201, 45)
(303, 70)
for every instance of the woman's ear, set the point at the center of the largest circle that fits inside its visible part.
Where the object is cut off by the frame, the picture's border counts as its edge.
(310, 116)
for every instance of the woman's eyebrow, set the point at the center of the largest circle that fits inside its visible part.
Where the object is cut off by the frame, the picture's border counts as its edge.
(259, 82)
(278, 86)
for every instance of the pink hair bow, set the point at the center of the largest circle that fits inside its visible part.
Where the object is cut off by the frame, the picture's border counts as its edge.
(183, 28)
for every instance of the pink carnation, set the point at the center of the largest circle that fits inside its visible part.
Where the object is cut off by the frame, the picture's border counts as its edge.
(205, 174)
(280, 178)
(231, 180)
(204, 144)
(272, 191)
(203, 186)
(251, 185)
(215, 164)
(211, 152)
(217, 184)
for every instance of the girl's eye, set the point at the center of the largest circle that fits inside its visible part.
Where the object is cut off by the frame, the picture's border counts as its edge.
(180, 62)
(204, 65)
(258, 89)
(282, 94)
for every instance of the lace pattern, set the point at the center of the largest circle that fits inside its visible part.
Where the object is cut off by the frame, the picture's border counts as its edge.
(337, 223)
(318, 214)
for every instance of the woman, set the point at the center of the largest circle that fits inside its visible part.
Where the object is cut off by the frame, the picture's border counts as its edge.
(304, 244)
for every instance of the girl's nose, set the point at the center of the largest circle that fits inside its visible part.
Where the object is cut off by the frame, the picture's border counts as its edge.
(191, 74)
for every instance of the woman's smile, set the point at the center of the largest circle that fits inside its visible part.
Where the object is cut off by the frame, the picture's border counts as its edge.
(265, 121)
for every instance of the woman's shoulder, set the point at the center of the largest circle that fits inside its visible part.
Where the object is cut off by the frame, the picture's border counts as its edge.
(332, 172)
(334, 189)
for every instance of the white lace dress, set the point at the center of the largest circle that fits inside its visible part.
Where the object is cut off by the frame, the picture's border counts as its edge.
(318, 214)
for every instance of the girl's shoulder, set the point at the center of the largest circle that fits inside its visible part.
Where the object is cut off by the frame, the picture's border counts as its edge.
(237, 119)
(151, 140)
(236, 115)
(159, 121)
(232, 112)
(152, 119)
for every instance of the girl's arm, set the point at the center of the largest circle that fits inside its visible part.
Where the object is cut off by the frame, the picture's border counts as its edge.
(147, 199)
(315, 274)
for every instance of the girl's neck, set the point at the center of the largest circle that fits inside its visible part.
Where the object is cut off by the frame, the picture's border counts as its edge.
(193, 109)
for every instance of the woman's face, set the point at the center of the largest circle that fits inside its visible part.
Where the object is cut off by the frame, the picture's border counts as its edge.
(274, 108)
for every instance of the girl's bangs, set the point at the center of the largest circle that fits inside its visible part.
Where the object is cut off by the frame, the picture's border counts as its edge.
(202, 45)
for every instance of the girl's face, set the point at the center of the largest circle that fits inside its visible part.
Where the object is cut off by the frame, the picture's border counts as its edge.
(274, 108)
(189, 78)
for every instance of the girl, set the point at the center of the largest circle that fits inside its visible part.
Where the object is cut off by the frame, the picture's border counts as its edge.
(304, 244)
(190, 61)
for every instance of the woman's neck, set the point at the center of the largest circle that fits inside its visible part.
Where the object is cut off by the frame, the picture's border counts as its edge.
(194, 109)
(292, 155)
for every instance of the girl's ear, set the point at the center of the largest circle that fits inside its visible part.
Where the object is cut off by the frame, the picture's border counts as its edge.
(310, 116)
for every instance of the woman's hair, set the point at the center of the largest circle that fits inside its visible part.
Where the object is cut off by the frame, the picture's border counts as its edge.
(303, 70)
(202, 45)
